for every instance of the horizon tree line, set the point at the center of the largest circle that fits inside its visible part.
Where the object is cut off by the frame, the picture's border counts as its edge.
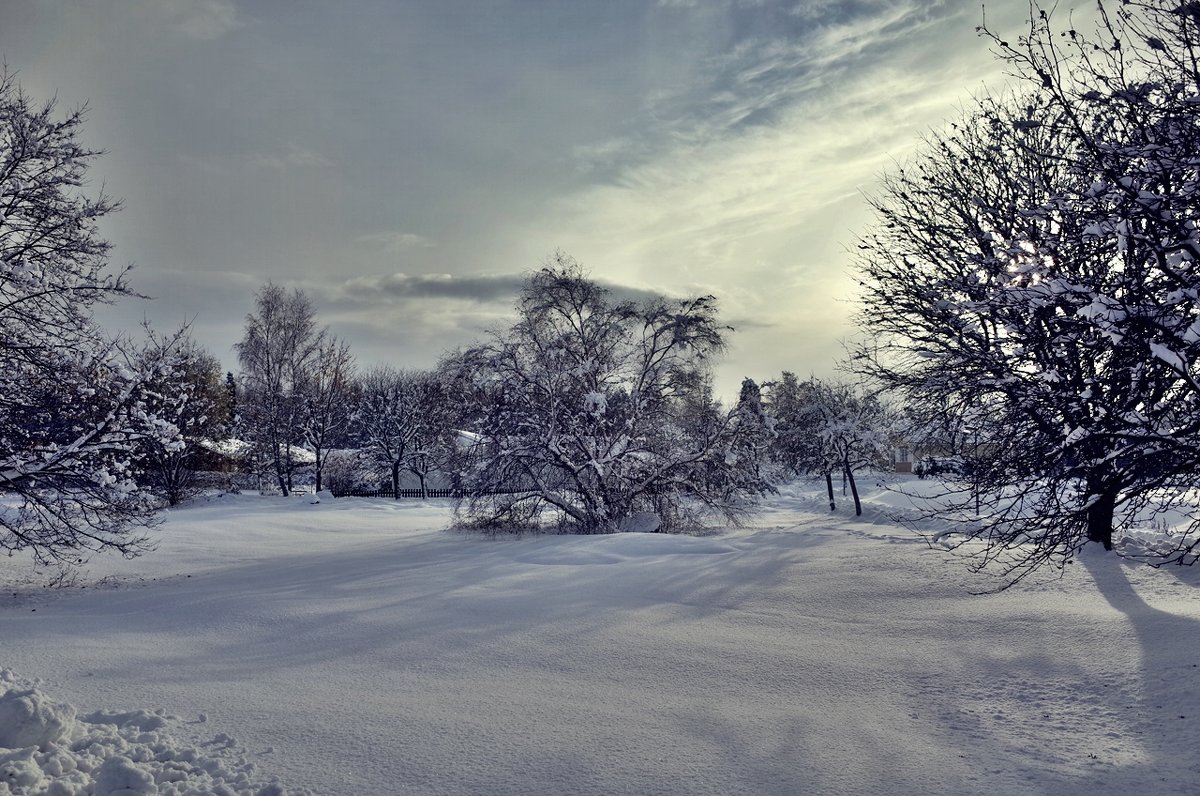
(598, 410)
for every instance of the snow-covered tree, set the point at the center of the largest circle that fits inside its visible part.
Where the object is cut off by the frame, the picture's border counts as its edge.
(227, 407)
(788, 402)
(1127, 97)
(822, 428)
(435, 445)
(185, 390)
(278, 356)
(852, 432)
(73, 404)
(590, 407)
(1035, 270)
(751, 434)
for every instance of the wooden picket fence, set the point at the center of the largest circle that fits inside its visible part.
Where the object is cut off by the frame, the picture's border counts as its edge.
(388, 492)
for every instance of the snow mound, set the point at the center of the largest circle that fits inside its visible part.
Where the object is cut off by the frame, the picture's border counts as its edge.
(46, 749)
(29, 718)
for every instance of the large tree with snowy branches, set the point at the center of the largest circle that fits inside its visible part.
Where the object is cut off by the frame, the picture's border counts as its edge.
(75, 406)
(1033, 278)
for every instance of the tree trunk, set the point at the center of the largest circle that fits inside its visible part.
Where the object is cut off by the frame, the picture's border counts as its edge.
(424, 489)
(849, 474)
(1100, 517)
(319, 466)
(396, 481)
(829, 488)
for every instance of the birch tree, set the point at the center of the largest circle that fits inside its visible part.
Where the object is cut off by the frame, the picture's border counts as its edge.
(278, 355)
(327, 400)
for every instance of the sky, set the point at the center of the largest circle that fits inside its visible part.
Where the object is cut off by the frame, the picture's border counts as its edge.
(407, 162)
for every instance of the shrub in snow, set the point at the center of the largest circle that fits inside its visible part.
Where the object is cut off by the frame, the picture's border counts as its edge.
(344, 471)
(640, 522)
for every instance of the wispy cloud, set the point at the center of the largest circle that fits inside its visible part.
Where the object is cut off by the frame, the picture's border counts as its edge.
(291, 156)
(748, 182)
(797, 57)
(400, 286)
(481, 288)
(396, 241)
(197, 19)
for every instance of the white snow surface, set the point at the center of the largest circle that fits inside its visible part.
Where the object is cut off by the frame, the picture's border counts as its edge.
(355, 646)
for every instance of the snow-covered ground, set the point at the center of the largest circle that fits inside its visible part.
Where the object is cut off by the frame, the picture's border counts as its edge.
(357, 647)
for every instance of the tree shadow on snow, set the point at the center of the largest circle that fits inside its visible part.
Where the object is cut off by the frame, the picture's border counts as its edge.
(1167, 714)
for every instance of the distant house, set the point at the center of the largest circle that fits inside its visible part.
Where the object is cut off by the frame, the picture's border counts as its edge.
(224, 455)
(231, 455)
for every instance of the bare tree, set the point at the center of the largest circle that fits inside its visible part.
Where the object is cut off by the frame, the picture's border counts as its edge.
(327, 402)
(585, 408)
(278, 355)
(434, 445)
(73, 405)
(389, 417)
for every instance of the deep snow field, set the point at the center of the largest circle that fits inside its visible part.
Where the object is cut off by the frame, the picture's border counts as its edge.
(356, 646)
